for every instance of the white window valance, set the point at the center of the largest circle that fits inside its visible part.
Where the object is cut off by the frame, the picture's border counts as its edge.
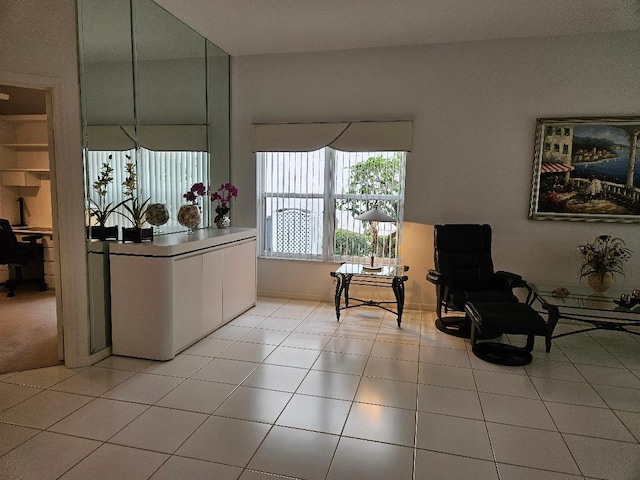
(344, 136)
(160, 138)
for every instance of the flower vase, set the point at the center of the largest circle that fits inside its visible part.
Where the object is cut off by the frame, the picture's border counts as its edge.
(222, 220)
(599, 283)
(157, 215)
(189, 216)
(137, 234)
(100, 232)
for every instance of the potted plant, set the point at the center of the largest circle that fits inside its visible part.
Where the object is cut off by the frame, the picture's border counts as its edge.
(223, 196)
(135, 209)
(602, 259)
(100, 209)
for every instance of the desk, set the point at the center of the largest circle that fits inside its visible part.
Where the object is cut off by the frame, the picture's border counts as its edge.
(356, 274)
(592, 311)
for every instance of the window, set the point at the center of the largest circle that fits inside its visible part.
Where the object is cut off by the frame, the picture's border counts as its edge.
(161, 176)
(308, 202)
(315, 178)
(565, 149)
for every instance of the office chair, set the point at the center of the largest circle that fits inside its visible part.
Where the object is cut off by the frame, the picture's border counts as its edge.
(25, 258)
(464, 272)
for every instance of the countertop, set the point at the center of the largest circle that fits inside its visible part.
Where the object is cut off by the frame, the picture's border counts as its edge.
(180, 243)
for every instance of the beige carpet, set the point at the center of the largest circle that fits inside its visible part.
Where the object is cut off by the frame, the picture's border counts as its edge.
(28, 330)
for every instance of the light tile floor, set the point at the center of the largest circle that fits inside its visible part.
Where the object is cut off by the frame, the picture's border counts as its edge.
(286, 391)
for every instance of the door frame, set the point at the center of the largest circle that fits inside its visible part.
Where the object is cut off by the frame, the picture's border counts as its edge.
(49, 87)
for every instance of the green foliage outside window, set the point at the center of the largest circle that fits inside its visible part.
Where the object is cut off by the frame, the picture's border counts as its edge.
(359, 244)
(376, 176)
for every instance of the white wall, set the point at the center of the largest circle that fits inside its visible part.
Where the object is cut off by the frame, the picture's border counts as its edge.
(39, 50)
(474, 107)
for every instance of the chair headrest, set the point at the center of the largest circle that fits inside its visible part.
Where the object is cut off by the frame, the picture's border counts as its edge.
(462, 237)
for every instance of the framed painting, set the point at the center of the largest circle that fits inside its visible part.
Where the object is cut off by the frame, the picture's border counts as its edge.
(586, 169)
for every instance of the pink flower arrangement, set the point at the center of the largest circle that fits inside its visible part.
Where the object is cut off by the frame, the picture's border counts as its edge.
(197, 190)
(224, 195)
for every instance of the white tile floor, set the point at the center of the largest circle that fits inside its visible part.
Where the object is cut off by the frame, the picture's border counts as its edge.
(286, 391)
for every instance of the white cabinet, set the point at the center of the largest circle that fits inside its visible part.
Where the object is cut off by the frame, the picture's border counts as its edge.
(170, 293)
(213, 288)
(239, 264)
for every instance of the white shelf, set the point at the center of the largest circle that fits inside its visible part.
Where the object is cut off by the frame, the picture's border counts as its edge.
(34, 170)
(27, 147)
(23, 118)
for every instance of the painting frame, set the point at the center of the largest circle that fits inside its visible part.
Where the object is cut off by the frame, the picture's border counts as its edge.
(586, 169)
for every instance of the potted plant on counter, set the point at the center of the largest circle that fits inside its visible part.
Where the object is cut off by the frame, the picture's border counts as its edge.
(223, 196)
(101, 210)
(135, 209)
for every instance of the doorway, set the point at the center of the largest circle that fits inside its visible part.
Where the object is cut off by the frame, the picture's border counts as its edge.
(30, 327)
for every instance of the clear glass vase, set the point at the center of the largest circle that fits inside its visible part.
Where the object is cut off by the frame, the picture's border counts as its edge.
(189, 217)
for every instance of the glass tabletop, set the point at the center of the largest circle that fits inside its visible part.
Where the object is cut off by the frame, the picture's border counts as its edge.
(584, 298)
(360, 269)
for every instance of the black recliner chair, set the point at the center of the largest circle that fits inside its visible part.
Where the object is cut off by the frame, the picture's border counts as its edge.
(25, 258)
(464, 272)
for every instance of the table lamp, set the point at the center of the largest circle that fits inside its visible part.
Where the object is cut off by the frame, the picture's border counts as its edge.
(374, 216)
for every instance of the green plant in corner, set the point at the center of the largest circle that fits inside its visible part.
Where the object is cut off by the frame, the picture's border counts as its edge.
(134, 208)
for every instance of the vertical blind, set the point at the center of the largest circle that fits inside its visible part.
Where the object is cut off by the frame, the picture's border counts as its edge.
(315, 178)
(161, 176)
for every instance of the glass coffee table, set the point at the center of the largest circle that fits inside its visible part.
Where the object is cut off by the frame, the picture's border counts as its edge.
(590, 311)
(357, 274)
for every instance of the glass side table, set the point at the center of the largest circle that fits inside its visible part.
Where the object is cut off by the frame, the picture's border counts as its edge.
(357, 274)
(589, 310)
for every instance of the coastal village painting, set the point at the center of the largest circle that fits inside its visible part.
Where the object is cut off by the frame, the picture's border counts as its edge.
(586, 169)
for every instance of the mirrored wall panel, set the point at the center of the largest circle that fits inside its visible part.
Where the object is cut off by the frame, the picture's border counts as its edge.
(155, 104)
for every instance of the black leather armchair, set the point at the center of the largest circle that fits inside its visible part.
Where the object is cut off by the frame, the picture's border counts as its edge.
(25, 258)
(464, 272)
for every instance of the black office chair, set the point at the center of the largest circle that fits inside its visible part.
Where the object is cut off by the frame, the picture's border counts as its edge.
(25, 258)
(464, 272)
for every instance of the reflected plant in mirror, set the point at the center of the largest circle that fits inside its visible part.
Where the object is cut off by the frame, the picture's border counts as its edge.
(99, 210)
(189, 213)
(135, 210)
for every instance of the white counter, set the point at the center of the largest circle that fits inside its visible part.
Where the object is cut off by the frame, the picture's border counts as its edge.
(180, 243)
(169, 293)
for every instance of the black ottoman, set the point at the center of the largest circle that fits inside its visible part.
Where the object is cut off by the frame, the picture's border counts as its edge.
(509, 318)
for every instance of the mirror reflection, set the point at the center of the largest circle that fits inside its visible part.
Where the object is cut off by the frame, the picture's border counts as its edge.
(155, 102)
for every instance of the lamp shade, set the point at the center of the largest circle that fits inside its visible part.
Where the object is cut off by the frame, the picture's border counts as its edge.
(375, 215)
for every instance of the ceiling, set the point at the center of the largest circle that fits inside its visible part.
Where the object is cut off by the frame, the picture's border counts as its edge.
(254, 27)
(251, 27)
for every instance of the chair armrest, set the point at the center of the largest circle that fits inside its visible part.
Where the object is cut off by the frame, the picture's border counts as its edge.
(511, 279)
(435, 277)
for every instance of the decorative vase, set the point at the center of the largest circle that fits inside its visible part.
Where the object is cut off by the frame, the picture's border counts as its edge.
(157, 215)
(222, 220)
(189, 216)
(99, 232)
(600, 283)
(137, 235)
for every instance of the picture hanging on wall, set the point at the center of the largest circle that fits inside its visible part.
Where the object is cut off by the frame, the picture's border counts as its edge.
(586, 169)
